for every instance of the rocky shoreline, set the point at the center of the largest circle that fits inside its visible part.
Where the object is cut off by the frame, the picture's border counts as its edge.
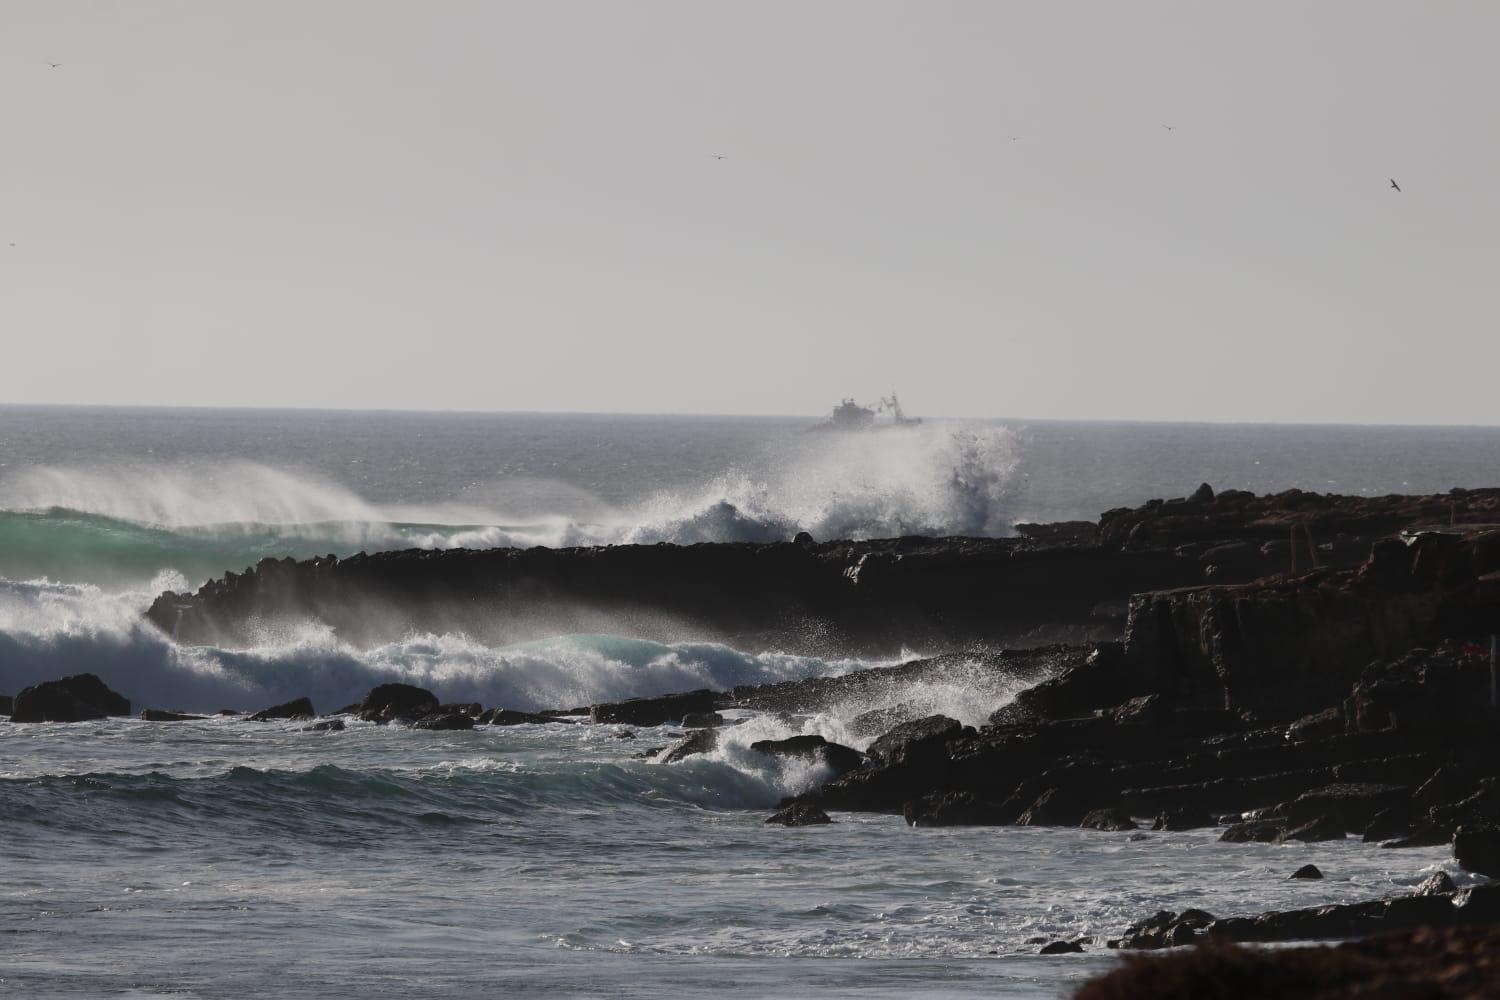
(1295, 667)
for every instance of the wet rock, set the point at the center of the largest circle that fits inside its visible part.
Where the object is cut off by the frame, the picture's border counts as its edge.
(72, 699)
(840, 758)
(1320, 829)
(387, 702)
(509, 717)
(696, 742)
(5, 704)
(956, 809)
(1183, 818)
(326, 726)
(1255, 831)
(918, 737)
(648, 753)
(1318, 725)
(624, 734)
(300, 708)
(1108, 820)
(1055, 807)
(702, 720)
(877, 722)
(229, 711)
(1478, 850)
(1436, 884)
(1429, 963)
(1061, 948)
(655, 711)
(1306, 872)
(799, 814)
(1388, 824)
(445, 721)
(158, 715)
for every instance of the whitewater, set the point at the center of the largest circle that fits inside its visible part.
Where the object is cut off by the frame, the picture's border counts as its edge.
(220, 858)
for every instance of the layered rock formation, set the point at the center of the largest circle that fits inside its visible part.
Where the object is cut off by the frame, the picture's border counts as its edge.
(1074, 578)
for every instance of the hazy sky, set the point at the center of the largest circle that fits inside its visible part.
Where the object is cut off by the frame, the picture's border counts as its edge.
(517, 206)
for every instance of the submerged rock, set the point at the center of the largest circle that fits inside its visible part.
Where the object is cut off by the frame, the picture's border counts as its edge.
(72, 699)
(1110, 820)
(301, 708)
(696, 742)
(509, 717)
(702, 720)
(1306, 872)
(799, 814)
(1062, 948)
(157, 715)
(445, 721)
(326, 726)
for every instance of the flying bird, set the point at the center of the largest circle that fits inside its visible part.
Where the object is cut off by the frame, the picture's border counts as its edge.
(718, 157)
(1169, 128)
(1394, 184)
(54, 65)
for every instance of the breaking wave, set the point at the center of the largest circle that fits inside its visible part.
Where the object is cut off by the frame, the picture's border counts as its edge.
(49, 630)
(120, 526)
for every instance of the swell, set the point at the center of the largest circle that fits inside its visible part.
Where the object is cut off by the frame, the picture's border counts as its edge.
(118, 526)
(330, 801)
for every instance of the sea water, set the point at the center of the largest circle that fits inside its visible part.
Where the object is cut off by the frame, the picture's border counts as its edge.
(222, 858)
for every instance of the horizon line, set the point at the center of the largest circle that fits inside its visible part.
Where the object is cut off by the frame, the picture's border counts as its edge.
(688, 414)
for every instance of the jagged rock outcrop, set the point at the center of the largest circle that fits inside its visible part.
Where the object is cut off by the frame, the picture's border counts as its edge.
(859, 593)
(79, 698)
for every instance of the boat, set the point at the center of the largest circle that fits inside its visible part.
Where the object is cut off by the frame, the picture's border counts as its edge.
(850, 416)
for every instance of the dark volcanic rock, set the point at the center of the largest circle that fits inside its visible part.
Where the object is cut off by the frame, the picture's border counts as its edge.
(397, 701)
(445, 721)
(1255, 831)
(158, 715)
(799, 814)
(702, 720)
(5, 704)
(1108, 820)
(326, 726)
(696, 742)
(71, 699)
(301, 708)
(956, 809)
(1322, 828)
(655, 711)
(509, 717)
(840, 758)
(1431, 963)
(1182, 819)
(1306, 872)
(1056, 807)
(916, 737)
(1061, 948)
(1436, 884)
(1478, 850)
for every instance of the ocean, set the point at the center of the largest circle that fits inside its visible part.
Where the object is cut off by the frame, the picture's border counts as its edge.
(224, 859)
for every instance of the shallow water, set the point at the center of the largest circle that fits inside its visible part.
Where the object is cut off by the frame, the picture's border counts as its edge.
(224, 858)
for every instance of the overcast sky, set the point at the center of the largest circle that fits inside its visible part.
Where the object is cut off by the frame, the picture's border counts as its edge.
(519, 206)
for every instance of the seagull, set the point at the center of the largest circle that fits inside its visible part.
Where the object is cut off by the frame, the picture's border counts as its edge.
(54, 65)
(1170, 128)
(718, 157)
(1394, 184)
(1015, 138)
